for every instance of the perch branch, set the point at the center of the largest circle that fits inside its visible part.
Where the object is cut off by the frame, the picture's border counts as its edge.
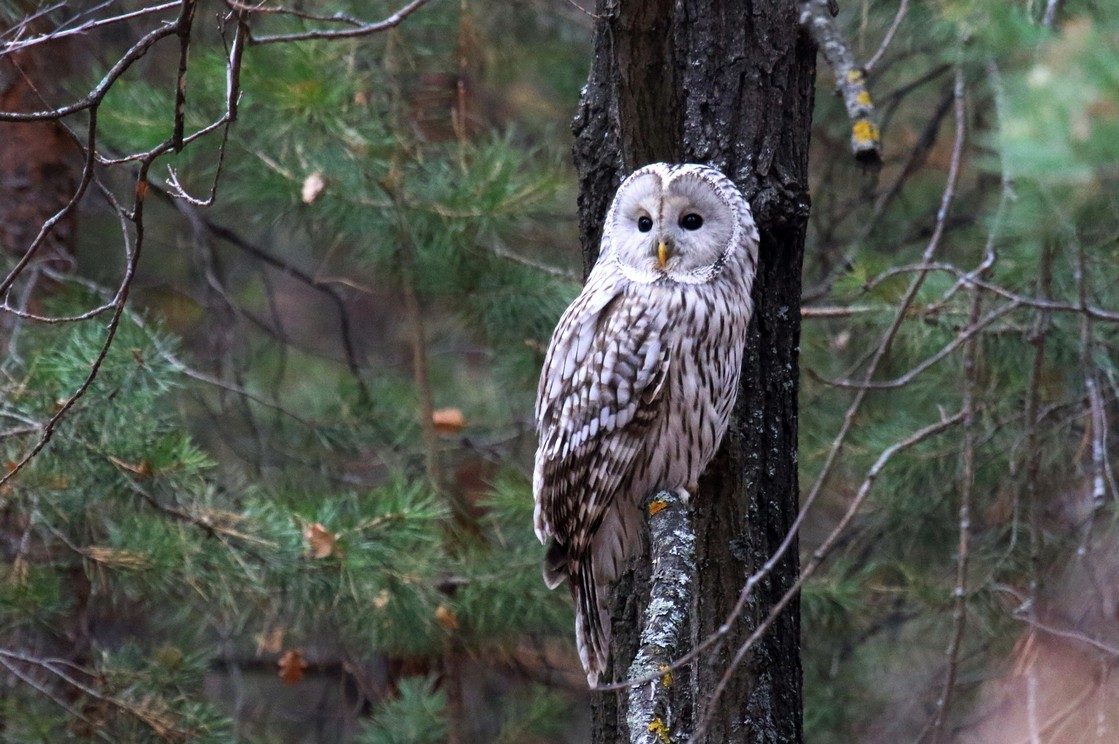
(850, 80)
(650, 714)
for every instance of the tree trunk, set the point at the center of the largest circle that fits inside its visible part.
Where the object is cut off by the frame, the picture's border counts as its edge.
(39, 163)
(728, 83)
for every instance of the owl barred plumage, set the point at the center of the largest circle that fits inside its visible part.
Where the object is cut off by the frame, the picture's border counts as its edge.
(640, 377)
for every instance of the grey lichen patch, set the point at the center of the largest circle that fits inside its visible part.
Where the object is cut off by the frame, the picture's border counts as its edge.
(651, 713)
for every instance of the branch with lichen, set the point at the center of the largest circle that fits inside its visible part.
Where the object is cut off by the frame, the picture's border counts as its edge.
(653, 709)
(850, 79)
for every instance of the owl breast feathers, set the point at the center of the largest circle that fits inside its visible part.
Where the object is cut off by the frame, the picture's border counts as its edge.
(640, 378)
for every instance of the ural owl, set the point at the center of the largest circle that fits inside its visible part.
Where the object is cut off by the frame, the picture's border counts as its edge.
(640, 377)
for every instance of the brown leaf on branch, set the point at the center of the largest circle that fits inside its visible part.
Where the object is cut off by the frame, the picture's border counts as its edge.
(448, 420)
(142, 469)
(446, 617)
(321, 542)
(292, 666)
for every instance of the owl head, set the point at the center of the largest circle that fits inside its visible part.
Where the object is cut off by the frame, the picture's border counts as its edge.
(679, 223)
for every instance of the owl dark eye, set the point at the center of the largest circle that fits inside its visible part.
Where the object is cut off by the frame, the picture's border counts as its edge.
(644, 223)
(691, 221)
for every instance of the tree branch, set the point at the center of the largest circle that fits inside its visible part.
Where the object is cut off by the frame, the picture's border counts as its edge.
(850, 80)
(651, 714)
(362, 29)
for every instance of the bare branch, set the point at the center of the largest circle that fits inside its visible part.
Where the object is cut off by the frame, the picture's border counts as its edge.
(15, 46)
(818, 557)
(903, 7)
(95, 96)
(967, 487)
(364, 29)
(160, 725)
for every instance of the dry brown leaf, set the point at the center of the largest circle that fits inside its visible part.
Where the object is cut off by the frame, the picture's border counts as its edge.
(142, 469)
(446, 617)
(292, 666)
(313, 186)
(381, 601)
(269, 642)
(320, 541)
(448, 420)
(116, 557)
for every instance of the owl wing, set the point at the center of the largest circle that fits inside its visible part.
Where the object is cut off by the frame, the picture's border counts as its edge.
(598, 393)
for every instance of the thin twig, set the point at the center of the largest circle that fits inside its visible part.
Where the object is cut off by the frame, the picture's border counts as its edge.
(817, 558)
(967, 485)
(364, 29)
(85, 28)
(97, 94)
(903, 7)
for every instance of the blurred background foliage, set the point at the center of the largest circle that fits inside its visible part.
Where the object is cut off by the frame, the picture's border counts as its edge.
(295, 504)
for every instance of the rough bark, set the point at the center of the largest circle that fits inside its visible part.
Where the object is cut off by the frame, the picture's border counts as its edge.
(729, 83)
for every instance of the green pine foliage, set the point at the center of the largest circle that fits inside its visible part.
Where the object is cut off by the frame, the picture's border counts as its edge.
(203, 529)
(229, 490)
(414, 717)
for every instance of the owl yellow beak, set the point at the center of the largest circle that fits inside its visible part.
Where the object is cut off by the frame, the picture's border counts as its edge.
(662, 255)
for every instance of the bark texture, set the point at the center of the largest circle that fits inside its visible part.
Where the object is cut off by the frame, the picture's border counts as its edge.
(728, 83)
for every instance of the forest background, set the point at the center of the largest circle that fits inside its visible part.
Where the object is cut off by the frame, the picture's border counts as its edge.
(294, 502)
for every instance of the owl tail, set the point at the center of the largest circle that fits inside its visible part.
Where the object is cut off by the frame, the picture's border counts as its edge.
(555, 564)
(592, 616)
(592, 623)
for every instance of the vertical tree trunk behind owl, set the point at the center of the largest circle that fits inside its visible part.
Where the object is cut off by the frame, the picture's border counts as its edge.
(729, 83)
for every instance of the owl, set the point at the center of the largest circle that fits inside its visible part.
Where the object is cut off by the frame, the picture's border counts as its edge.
(640, 378)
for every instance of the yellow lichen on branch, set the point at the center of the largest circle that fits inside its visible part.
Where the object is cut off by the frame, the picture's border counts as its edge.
(850, 80)
(864, 134)
(666, 675)
(655, 702)
(660, 730)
